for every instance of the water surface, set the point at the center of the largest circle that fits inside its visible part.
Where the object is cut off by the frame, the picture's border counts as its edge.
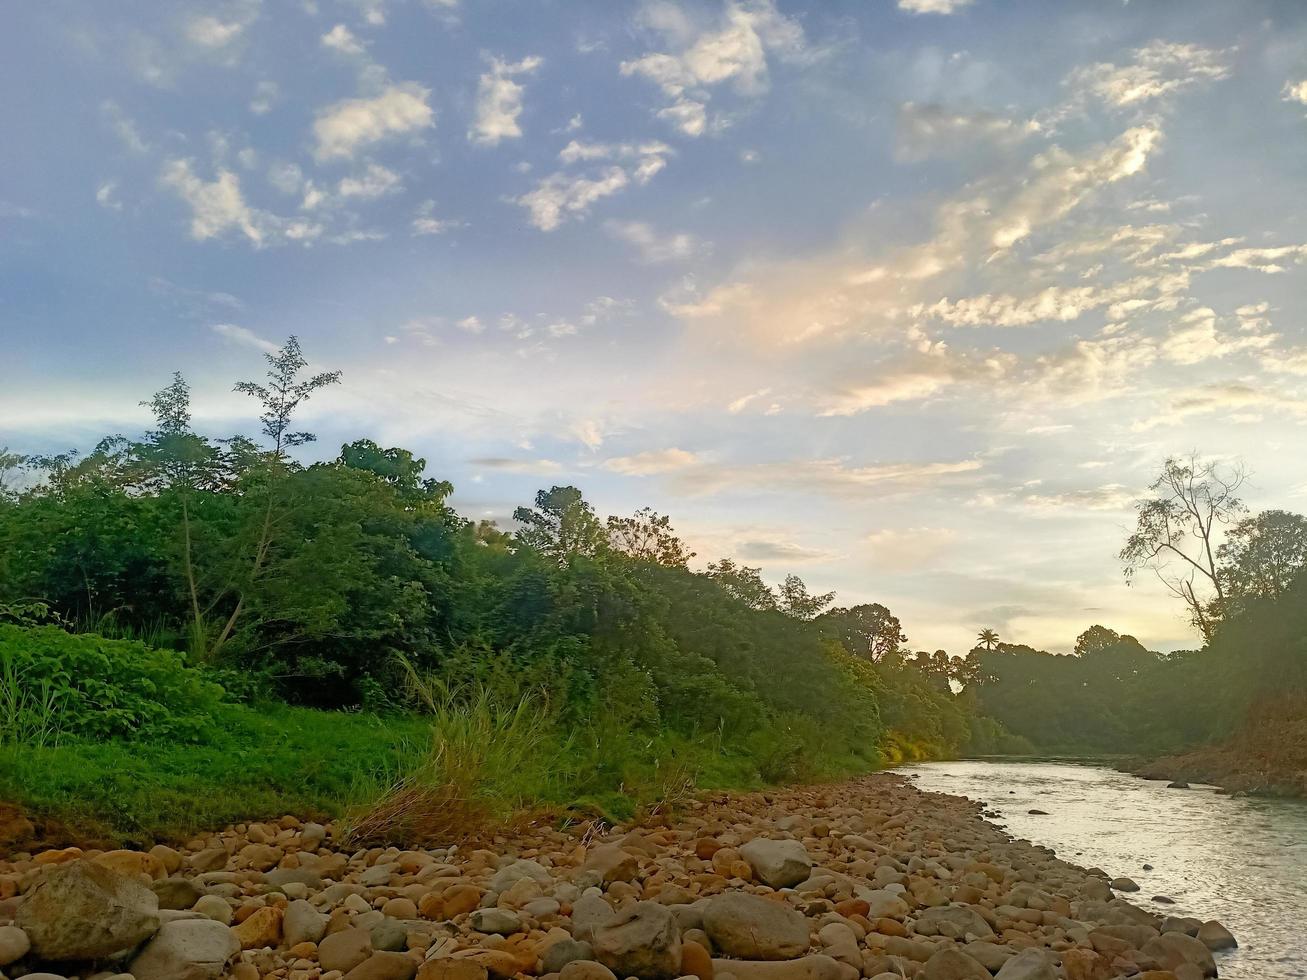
(1242, 861)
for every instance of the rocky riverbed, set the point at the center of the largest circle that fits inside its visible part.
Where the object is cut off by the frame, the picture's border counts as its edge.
(868, 878)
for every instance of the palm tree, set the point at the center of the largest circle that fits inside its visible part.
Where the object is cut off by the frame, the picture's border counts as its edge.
(987, 638)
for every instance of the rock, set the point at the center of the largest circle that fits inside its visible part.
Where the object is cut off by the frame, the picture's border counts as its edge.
(1211, 934)
(1182, 923)
(1029, 964)
(86, 911)
(1085, 964)
(589, 912)
(14, 944)
(210, 859)
(447, 968)
(385, 966)
(563, 952)
(260, 930)
(1124, 885)
(303, 923)
(953, 964)
(507, 876)
(131, 863)
(642, 940)
(176, 893)
(345, 950)
(752, 928)
(586, 970)
(778, 863)
(883, 904)
(501, 921)
(214, 907)
(953, 922)
(460, 900)
(611, 863)
(1037, 813)
(281, 877)
(1177, 784)
(815, 967)
(390, 936)
(1174, 949)
(186, 949)
(695, 961)
(989, 955)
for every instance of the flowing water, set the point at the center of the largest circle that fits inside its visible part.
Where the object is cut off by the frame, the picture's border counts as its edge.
(1242, 861)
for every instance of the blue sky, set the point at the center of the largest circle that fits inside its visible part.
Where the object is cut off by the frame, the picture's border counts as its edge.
(910, 297)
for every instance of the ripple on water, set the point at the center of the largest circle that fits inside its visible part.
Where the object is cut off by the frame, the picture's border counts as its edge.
(1241, 861)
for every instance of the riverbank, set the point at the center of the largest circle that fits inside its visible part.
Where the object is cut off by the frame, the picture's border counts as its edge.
(862, 878)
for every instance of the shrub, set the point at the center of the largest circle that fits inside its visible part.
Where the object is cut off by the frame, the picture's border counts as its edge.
(85, 685)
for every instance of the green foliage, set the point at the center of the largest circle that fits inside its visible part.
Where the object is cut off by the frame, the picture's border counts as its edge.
(92, 687)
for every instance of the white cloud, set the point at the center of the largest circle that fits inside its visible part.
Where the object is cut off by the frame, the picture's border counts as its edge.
(1234, 400)
(217, 206)
(562, 195)
(744, 401)
(124, 127)
(210, 32)
(426, 223)
(341, 38)
(244, 336)
(1296, 92)
(344, 127)
(735, 52)
(499, 101)
(652, 247)
(375, 181)
(1195, 339)
(1159, 69)
(470, 324)
(534, 467)
(265, 94)
(651, 462)
(933, 6)
(908, 386)
(930, 129)
(106, 195)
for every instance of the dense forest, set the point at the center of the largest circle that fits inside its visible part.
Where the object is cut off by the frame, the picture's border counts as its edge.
(173, 592)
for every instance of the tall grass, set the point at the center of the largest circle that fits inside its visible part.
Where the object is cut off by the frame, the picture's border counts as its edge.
(29, 712)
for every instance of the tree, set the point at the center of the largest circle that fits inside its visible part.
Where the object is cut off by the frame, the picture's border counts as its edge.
(284, 393)
(1262, 555)
(1177, 529)
(280, 397)
(869, 630)
(9, 463)
(648, 536)
(742, 583)
(795, 600)
(987, 638)
(560, 526)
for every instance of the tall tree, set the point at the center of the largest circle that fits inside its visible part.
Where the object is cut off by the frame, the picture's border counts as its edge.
(795, 600)
(987, 638)
(1262, 555)
(283, 394)
(561, 525)
(10, 463)
(743, 583)
(648, 536)
(869, 630)
(1177, 532)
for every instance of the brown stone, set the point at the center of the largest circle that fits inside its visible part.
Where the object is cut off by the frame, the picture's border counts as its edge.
(261, 929)
(385, 966)
(447, 968)
(132, 863)
(695, 961)
(1085, 964)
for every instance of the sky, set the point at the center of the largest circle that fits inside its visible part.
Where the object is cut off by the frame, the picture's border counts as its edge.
(908, 297)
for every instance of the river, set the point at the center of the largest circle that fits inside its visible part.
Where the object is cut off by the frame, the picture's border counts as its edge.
(1242, 861)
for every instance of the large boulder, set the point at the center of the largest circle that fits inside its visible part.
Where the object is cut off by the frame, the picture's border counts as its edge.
(1215, 936)
(953, 964)
(753, 928)
(85, 911)
(642, 941)
(953, 922)
(186, 949)
(1174, 949)
(815, 967)
(1029, 964)
(778, 863)
(510, 874)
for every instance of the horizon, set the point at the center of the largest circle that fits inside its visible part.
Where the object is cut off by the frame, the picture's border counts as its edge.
(910, 299)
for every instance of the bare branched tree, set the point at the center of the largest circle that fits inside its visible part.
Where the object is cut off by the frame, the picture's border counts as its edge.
(1178, 529)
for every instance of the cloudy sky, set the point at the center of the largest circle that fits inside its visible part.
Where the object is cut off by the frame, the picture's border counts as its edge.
(910, 297)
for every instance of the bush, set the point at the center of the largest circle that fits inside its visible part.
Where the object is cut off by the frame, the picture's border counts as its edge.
(87, 686)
